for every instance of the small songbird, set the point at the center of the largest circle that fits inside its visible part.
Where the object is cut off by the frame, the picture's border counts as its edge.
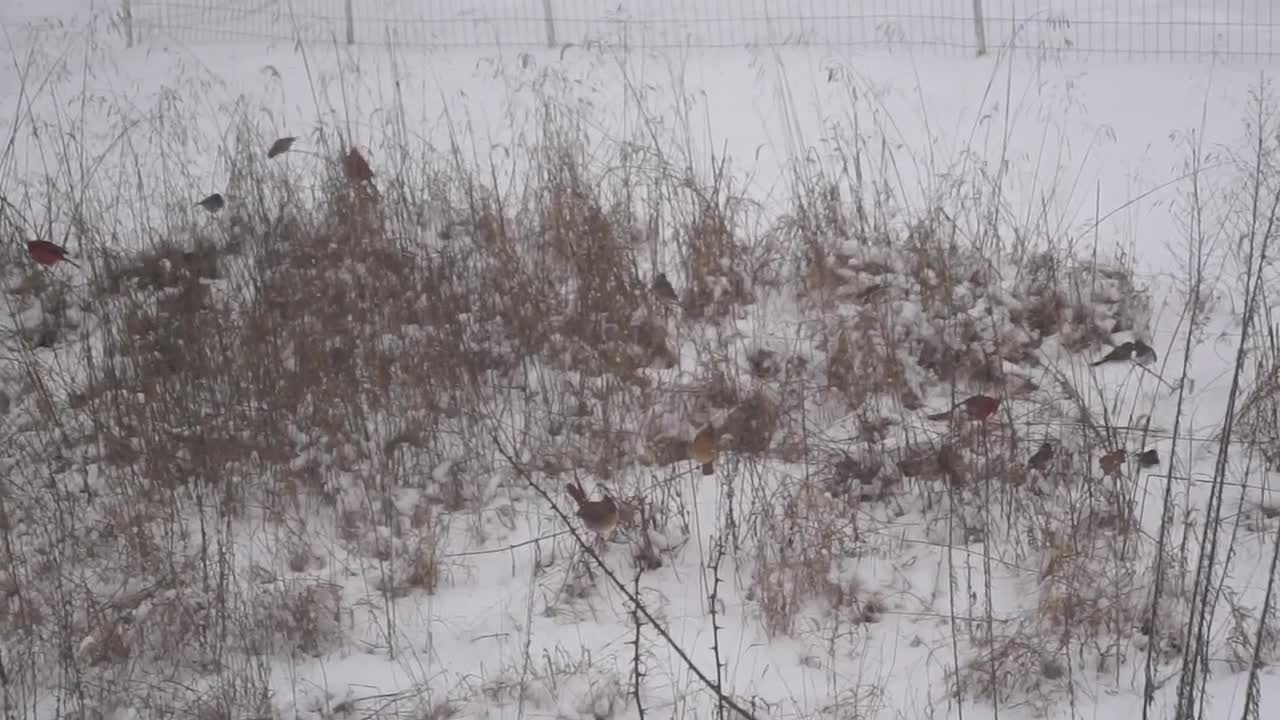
(49, 254)
(280, 146)
(1041, 459)
(662, 288)
(213, 203)
(598, 516)
(705, 449)
(1112, 461)
(355, 167)
(1143, 354)
(1149, 458)
(1120, 353)
(976, 407)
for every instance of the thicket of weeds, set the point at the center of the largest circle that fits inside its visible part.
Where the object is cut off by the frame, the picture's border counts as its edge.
(207, 433)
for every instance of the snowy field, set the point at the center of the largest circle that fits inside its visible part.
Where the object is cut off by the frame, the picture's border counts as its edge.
(390, 548)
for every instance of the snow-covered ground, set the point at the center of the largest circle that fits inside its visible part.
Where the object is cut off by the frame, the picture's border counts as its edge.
(1094, 158)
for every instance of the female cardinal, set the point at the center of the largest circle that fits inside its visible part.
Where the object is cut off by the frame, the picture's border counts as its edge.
(48, 254)
(704, 449)
(599, 516)
(977, 407)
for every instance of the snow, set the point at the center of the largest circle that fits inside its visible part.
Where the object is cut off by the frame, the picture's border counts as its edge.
(1079, 141)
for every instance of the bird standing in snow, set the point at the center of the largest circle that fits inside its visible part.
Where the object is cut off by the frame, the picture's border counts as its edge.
(49, 254)
(598, 516)
(976, 407)
(705, 450)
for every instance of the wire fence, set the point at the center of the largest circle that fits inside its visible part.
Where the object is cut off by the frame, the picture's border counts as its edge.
(1133, 28)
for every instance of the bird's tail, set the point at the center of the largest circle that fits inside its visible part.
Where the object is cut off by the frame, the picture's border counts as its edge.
(71, 262)
(946, 415)
(576, 492)
(708, 468)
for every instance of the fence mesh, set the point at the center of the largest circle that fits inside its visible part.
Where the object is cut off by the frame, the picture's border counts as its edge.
(1171, 28)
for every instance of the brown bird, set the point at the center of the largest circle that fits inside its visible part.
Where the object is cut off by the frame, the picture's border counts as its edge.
(280, 146)
(599, 516)
(1120, 353)
(49, 254)
(977, 407)
(1149, 458)
(662, 288)
(213, 203)
(704, 449)
(1042, 457)
(356, 168)
(1112, 461)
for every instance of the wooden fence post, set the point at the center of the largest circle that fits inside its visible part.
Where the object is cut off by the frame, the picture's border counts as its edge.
(549, 21)
(351, 22)
(979, 28)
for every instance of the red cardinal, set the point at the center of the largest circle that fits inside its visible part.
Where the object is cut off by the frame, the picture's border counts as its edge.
(978, 407)
(48, 254)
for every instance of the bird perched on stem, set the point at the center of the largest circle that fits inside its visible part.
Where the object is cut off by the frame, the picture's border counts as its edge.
(1042, 457)
(705, 449)
(1149, 458)
(280, 146)
(1143, 354)
(662, 288)
(213, 203)
(1112, 461)
(976, 407)
(1120, 353)
(598, 516)
(49, 254)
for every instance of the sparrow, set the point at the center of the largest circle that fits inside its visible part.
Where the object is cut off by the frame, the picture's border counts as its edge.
(977, 407)
(1112, 461)
(1120, 353)
(280, 146)
(213, 203)
(1042, 457)
(49, 254)
(662, 288)
(355, 167)
(1143, 353)
(1149, 458)
(599, 516)
(704, 449)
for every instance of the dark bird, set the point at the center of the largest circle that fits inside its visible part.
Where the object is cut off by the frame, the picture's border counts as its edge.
(49, 254)
(1149, 458)
(356, 168)
(1143, 354)
(1041, 459)
(213, 203)
(977, 407)
(1120, 353)
(1112, 461)
(599, 516)
(662, 288)
(705, 449)
(280, 147)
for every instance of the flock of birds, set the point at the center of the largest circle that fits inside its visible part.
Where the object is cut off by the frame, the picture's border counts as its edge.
(602, 516)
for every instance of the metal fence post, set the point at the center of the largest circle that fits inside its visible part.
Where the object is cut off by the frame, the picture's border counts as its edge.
(979, 28)
(549, 20)
(351, 22)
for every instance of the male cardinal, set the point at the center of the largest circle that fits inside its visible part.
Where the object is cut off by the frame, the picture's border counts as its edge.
(48, 254)
(599, 516)
(977, 407)
(704, 449)
(1042, 457)
(662, 288)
